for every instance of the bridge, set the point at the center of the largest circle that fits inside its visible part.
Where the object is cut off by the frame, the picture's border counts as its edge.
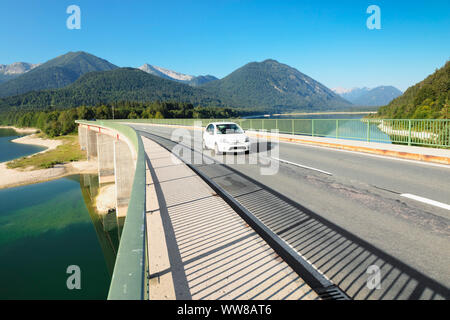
(203, 226)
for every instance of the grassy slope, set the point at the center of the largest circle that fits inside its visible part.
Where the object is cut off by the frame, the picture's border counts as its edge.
(67, 152)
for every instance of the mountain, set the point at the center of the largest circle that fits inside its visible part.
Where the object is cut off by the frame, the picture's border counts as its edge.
(165, 73)
(378, 96)
(122, 84)
(55, 73)
(17, 68)
(351, 94)
(200, 80)
(257, 85)
(11, 71)
(272, 84)
(176, 76)
(428, 99)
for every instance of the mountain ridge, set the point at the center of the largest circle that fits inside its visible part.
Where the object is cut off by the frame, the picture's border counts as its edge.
(17, 67)
(121, 84)
(271, 84)
(165, 73)
(55, 73)
(371, 97)
(176, 76)
(73, 79)
(13, 70)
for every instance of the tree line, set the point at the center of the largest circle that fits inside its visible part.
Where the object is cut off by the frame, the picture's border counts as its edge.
(58, 122)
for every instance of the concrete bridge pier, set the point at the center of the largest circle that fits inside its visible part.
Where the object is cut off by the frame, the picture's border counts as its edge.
(91, 144)
(116, 164)
(82, 137)
(124, 168)
(105, 157)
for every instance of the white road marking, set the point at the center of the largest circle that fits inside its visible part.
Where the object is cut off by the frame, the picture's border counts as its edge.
(425, 200)
(302, 166)
(432, 164)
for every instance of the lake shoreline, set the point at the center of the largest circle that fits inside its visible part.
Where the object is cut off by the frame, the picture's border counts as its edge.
(21, 130)
(34, 140)
(11, 178)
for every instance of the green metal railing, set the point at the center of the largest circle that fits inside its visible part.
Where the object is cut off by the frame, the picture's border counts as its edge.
(433, 133)
(131, 268)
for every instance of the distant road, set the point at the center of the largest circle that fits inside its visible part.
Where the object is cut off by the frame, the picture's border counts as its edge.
(361, 197)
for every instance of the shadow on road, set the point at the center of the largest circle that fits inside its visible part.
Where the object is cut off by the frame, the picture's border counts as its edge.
(342, 256)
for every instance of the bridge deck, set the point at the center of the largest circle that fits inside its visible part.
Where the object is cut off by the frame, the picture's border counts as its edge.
(200, 248)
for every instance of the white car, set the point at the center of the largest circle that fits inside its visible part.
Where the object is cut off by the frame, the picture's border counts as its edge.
(225, 137)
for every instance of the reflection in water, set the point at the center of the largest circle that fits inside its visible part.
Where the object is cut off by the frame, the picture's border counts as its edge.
(107, 226)
(46, 227)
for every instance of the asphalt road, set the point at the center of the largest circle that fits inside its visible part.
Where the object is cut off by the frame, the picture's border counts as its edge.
(344, 211)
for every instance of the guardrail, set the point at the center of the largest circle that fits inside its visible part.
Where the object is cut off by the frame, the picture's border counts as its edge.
(433, 133)
(131, 267)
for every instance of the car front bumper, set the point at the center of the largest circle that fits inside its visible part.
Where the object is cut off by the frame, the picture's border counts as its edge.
(233, 147)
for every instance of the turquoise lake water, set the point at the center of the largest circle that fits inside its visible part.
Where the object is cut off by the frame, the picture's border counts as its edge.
(10, 150)
(349, 126)
(319, 116)
(46, 227)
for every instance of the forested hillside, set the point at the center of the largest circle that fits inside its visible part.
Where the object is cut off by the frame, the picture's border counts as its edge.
(429, 99)
(270, 84)
(124, 84)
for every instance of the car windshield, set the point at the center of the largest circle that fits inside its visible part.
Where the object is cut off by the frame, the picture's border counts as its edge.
(228, 128)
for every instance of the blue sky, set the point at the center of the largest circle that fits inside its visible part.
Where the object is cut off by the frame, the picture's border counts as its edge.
(327, 40)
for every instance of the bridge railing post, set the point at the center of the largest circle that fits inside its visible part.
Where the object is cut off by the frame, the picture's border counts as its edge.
(337, 128)
(409, 132)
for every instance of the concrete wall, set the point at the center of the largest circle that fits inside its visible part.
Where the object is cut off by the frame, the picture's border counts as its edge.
(91, 144)
(82, 137)
(116, 163)
(105, 157)
(124, 168)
